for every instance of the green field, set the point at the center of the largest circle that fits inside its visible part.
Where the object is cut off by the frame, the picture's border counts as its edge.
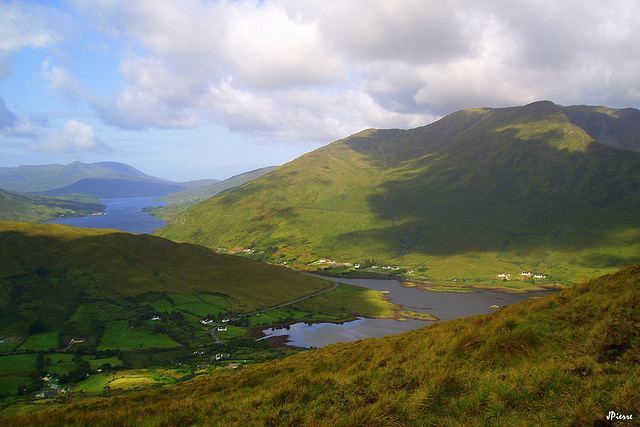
(232, 332)
(44, 341)
(118, 335)
(17, 363)
(200, 304)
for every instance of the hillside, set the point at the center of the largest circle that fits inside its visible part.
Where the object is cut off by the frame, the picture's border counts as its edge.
(477, 193)
(30, 208)
(124, 301)
(115, 186)
(181, 201)
(102, 179)
(49, 271)
(565, 359)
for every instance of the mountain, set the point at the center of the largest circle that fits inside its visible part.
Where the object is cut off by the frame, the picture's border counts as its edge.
(102, 179)
(181, 201)
(69, 278)
(477, 193)
(567, 359)
(30, 208)
(199, 183)
(115, 186)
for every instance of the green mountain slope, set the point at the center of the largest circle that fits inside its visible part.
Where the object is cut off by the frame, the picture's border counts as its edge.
(565, 359)
(49, 272)
(477, 193)
(181, 201)
(30, 208)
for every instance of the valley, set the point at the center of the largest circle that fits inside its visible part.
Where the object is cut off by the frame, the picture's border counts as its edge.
(75, 300)
(438, 274)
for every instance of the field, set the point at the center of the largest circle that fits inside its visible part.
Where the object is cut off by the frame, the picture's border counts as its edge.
(118, 335)
(564, 359)
(44, 341)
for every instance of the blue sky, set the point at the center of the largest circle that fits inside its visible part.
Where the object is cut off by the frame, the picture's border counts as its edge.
(192, 89)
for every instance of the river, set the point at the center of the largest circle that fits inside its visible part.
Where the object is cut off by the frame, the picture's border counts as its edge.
(443, 305)
(123, 213)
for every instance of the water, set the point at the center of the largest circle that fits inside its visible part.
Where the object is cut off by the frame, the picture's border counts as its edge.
(122, 213)
(444, 305)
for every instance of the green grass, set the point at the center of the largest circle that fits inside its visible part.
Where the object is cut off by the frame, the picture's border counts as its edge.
(121, 264)
(7, 346)
(44, 341)
(200, 304)
(117, 335)
(232, 332)
(94, 384)
(31, 208)
(564, 359)
(98, 362)
(347, 300)
(9, 385)
(415, 315)
(17, 363)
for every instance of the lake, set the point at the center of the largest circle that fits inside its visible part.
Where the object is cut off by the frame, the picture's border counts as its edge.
(443, 305)
(123, 213)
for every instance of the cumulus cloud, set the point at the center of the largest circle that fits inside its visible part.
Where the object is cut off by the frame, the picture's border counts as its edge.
(309, 70)
(73, 137)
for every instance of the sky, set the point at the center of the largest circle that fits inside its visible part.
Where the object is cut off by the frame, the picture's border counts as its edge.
(195, 89)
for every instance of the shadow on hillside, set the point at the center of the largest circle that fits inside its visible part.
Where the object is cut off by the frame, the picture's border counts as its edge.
(496, 192)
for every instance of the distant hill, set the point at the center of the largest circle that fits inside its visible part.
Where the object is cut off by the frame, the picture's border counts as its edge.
(198, 183)
(569, 359)
(30, 208)
(477, 193)
(102, 179)
(181, 201)
(70, 279)
(114, 187)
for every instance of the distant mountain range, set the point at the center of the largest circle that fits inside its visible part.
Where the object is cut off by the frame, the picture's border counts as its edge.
(103, 179)
(480, 192)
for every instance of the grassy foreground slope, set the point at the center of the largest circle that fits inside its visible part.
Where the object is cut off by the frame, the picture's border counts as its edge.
(477, 193)
(30, 208)
(565, 359)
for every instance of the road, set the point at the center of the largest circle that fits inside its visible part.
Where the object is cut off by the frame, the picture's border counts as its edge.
(335, 285)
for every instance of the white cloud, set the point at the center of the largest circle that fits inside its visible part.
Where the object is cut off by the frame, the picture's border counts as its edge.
(308, 70)
(31, 25)
(11, 125)
(73, 137)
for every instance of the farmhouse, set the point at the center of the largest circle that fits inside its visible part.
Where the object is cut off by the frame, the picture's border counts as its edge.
(220, 328)
(525, 275)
